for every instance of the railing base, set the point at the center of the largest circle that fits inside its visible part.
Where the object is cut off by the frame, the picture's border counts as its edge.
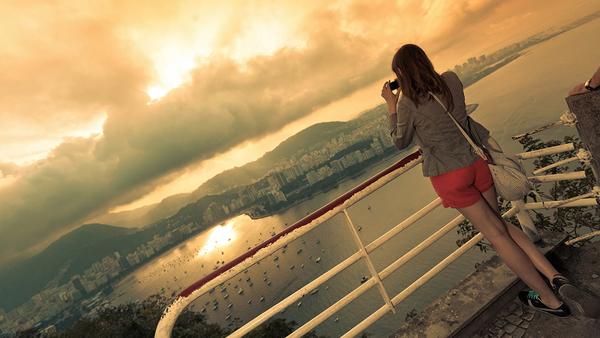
(460, 311)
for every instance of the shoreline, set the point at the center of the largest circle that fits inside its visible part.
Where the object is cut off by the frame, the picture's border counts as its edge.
(321, 191)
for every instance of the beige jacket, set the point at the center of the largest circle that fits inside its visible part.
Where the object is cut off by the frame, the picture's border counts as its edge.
(444, 147)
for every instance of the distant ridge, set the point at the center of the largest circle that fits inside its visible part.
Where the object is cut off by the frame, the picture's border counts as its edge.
(71, 253)
(236, 176)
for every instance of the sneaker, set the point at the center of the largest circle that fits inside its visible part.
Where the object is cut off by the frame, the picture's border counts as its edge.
(532, 299)
(558, 280)
(579, 300)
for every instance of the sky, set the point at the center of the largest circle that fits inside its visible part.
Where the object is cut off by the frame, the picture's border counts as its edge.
(111, 105)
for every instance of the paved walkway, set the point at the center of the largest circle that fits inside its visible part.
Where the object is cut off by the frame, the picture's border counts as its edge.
(582, 266)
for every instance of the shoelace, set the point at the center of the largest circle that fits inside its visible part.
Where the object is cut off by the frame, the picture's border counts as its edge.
(533, 295)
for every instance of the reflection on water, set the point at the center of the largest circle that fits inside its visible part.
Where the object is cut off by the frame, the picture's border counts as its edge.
(219, 237)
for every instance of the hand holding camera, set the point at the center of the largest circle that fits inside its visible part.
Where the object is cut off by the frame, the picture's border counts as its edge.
(388, 95)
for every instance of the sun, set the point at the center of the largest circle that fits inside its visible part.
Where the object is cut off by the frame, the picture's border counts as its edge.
(172, 65)
(175, 57)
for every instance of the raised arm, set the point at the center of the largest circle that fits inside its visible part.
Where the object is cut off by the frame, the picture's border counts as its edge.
(401, 125)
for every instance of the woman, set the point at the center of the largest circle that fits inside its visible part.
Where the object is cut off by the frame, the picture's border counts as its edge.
(460, 177)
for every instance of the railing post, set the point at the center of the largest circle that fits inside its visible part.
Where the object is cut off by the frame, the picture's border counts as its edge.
(525, 221)
(586, 108)
(370, 265)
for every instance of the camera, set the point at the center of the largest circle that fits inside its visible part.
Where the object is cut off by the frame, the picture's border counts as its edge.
(394, 84)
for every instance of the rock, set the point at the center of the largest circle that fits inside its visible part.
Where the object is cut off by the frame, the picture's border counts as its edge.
(509, 328)
(518, 333)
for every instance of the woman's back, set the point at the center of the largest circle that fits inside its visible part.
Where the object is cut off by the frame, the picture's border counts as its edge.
(444, 147)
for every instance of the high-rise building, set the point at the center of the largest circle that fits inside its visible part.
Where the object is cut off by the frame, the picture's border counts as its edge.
(76, 281)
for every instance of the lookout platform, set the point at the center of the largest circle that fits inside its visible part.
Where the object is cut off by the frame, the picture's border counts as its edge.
(514, 320)
(485, 304)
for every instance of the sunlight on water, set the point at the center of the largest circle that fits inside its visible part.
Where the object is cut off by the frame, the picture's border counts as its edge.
(220, 236)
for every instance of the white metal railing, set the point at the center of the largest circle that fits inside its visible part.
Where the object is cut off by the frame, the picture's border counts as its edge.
(341, 205)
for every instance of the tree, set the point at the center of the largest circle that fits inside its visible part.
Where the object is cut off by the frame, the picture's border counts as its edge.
(139, 319)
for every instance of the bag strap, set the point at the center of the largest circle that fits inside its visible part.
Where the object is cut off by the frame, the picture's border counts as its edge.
(477, 149)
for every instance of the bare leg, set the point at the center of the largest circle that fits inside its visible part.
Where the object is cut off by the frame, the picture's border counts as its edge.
(537, 258)
(493, 229)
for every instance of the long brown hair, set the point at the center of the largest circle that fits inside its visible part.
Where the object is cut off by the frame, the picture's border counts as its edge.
(417, 76)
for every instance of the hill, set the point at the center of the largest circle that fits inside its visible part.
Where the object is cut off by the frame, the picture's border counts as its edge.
(71, 254)
(237, 176)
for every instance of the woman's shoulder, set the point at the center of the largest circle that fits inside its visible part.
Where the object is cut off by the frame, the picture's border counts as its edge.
(452, 79)
(404, 102)
(449, 75)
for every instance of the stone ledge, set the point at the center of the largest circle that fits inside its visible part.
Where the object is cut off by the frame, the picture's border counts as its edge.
(461, 310)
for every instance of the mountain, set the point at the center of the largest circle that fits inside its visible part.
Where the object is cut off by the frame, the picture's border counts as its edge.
(145, 215)
(71, 254)
(238, 176)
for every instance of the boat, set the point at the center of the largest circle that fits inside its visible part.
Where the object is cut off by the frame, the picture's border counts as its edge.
(203, 310)
(337, 319)
(318, 260)
(292, 267)
(249, 301)
(314, 291)
(215, 307)
(269, 283)
(250, 284)
(227, 317)
(363, 279)
(226, 296)
(299, 303)
(302, 266)
(240, 291)
(229, 305)
(298, 252)
(262, 299)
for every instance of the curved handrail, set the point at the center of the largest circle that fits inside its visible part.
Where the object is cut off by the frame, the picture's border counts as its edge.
(163, 329)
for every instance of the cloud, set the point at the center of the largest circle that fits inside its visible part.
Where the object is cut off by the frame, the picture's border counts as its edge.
(223, 104)
(66, 68)
(7, 168)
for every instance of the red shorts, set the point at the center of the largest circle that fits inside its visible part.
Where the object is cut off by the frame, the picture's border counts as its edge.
(462, 187)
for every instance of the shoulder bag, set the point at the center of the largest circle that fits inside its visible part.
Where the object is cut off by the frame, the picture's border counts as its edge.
(510, 179)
